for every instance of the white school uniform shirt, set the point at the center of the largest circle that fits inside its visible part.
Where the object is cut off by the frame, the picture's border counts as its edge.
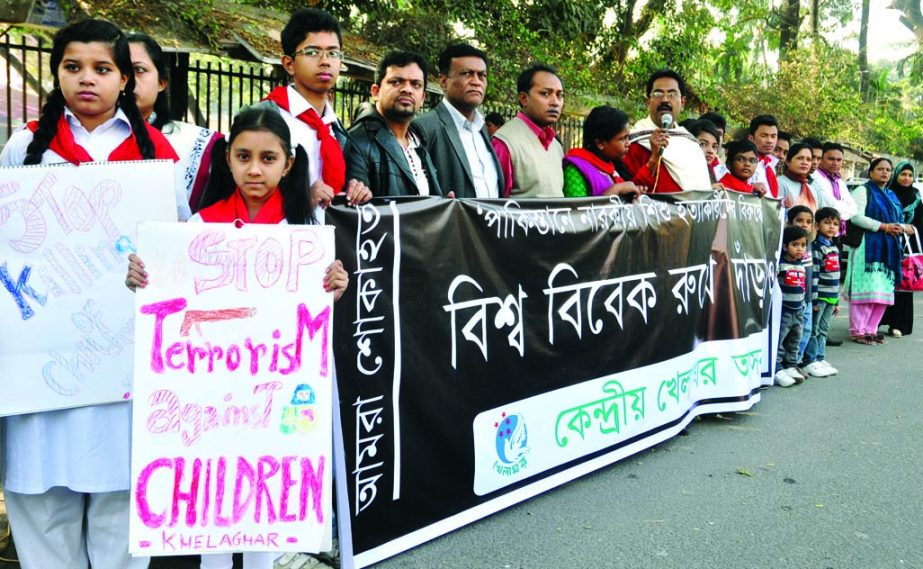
(480, 158)
(416, 164)
(86, 449)
(304, 135)
(99, 144)
(191, 143)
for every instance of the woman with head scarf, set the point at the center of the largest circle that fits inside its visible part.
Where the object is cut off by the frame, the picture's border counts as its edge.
(875, 265)
(899, 317)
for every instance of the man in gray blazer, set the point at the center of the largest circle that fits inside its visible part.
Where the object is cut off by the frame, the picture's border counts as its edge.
(456, 137)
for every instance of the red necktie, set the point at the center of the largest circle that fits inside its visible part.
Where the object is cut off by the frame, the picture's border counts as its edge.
(333, 165)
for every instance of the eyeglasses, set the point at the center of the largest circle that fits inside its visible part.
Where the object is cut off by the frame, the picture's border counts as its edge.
(672, 95)
(744, 160)
(318, 53)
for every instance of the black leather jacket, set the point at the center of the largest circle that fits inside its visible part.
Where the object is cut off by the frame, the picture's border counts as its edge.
(374, 157)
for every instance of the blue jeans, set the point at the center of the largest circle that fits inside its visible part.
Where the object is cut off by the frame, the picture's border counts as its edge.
(789, 338)
(817, 346)
(807, 325)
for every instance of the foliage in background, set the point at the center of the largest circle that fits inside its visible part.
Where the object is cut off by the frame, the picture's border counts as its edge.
(731, 51)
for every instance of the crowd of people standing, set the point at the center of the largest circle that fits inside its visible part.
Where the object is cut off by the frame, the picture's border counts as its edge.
(286, 158)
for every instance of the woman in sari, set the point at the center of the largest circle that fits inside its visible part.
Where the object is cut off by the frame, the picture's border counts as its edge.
(874, 266)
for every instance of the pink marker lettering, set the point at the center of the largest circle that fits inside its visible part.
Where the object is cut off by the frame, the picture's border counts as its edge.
(174, 350)
(313, 325)
(244, 474)
(269, 263)
(189, 497)
(200, 252)
(287, 483)
(305, 250)
(312, 482)
(208, 496)
(261, 490)
(161, 310)
(240, 248)
(149, 518)
(220, 520)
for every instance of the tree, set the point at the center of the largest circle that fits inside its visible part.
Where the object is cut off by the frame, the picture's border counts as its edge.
(863, 52)
(790, 22)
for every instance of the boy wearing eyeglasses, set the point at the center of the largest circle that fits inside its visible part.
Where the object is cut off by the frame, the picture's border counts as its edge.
(741, 161)
(312, 56)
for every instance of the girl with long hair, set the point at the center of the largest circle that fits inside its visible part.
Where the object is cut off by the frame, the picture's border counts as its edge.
(192, 143)
(66, 473)
(257, 177)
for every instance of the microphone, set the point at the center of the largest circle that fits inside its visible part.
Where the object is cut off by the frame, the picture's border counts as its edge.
(666, 121)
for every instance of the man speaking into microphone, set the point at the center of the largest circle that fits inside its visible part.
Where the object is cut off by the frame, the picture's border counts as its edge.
(664, 156)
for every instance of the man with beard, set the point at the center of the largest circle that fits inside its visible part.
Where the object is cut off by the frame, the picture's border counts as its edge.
(456, 137)
(666, 157)
(386, 151)
(530, 156)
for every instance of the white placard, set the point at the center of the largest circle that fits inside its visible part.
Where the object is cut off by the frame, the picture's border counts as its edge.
(232, 421)
(65, 316)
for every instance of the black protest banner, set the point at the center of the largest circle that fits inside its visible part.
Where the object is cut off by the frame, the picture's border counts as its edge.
(487, 351)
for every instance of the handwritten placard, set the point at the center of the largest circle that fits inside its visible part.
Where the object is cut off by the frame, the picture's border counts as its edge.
(232, 422)
(65, 314)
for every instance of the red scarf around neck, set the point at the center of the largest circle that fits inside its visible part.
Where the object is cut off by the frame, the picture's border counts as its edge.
(807, 196)
(603, 166)
(234, 207)
(65, 146)
(771, 179)
(731, 182)
(333, 165)
(596, 161)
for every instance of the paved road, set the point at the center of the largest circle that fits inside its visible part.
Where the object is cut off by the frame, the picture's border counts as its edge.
(828, 474)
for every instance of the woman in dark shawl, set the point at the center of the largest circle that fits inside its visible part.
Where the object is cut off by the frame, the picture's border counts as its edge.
(899, 317)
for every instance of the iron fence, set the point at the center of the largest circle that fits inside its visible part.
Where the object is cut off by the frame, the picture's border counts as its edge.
(216, 89)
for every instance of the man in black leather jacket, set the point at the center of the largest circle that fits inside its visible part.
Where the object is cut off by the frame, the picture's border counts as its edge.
(385, 151)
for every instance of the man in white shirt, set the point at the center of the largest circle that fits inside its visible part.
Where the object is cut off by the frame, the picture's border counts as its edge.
(833, 190)
(456, 137)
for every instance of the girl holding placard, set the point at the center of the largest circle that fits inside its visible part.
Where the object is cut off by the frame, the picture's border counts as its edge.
(258, 178)
(66, 473)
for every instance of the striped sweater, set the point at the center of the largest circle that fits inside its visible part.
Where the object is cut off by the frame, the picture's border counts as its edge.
(791, 281)
(825, 283)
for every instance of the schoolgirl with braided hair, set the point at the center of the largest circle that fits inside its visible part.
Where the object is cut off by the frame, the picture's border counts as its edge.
(66, 474)
(90, 114)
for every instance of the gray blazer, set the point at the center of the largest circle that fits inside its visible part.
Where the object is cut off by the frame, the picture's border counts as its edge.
(448, 153)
